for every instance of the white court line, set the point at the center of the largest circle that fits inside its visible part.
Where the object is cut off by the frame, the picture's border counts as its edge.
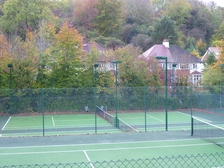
(6, 123)
(0, 135)
(155, 118)
(196, 117)
(106, 149)
(52, 118)
(92, 144)
(88, 159)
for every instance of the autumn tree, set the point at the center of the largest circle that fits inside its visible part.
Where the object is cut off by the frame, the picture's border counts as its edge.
(201, 46)
(109, 20)
(22, 16)
(25, 62)
(211, 74)
(178, 10)
(85, 12)
(132, 71)
(219, 33)
(4, 61)
(64, 58)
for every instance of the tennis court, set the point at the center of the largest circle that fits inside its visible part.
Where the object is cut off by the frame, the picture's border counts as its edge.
(89, 123)
(53, 125)
(103, 147)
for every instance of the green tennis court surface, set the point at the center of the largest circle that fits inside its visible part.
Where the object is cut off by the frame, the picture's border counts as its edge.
(93, 138)
(54, 125)
(104, 147)
(89, 123)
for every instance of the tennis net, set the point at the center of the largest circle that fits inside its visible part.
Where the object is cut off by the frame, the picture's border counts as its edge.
(125, 127)
(105, 115)
(207, 131)
(120, 124)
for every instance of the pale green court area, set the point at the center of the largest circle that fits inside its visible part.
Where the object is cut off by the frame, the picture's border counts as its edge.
(48, 150)
(89, 123)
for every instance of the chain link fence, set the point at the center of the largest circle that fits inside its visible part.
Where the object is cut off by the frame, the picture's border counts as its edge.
(141, 100)
(16, 101)
(193, 161)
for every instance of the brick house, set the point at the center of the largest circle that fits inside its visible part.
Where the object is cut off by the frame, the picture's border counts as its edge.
(180, 63)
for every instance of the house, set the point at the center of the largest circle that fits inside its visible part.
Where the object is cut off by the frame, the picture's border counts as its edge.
(211, 50)
(180, 63)
(104, 63)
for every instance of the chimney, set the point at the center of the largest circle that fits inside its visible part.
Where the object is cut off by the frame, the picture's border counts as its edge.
(166, 43)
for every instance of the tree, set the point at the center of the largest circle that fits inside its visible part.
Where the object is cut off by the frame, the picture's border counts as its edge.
(132, 71)
(109, 42)
(85, 12)
(158, 4)
(219, 33)
(198, 25)
(142, 40)
(25, 62)
(20, 16)
(65, 57)
(211, 59)
(211, 74)
(178, 10)
(201, 46)
(4, 61)
(138, 12)
(163, 28)
(109, 20)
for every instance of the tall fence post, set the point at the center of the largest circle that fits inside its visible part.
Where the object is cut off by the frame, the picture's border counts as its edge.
(42, 109)
(145, 108)
(95, 102)
(192, 130)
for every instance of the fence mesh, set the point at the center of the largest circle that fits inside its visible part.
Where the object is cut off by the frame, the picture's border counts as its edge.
(141, 100)
(192, 161)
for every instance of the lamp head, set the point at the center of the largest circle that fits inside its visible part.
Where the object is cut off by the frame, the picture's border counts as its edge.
(10, 65)
(96, 65)
(161, 57)
(117, 62)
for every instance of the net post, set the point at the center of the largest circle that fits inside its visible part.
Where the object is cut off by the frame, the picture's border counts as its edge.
(192, 126)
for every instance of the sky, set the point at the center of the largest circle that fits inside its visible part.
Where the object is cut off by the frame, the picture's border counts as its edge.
(218, 2)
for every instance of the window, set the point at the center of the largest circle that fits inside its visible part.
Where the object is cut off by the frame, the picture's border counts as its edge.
(196, 79)
(183, 66)
(194, 66)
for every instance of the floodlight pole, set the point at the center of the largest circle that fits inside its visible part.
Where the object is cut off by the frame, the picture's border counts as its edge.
(95, 90)
(221, 65)
(10, 87)
(173, 82)
(116, 83)
(166, 92)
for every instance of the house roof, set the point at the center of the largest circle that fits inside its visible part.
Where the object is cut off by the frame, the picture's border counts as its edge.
(182, 56)
(158, 50)
(195, 73)
(214, 50)
(90, 45)
(174, 54)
